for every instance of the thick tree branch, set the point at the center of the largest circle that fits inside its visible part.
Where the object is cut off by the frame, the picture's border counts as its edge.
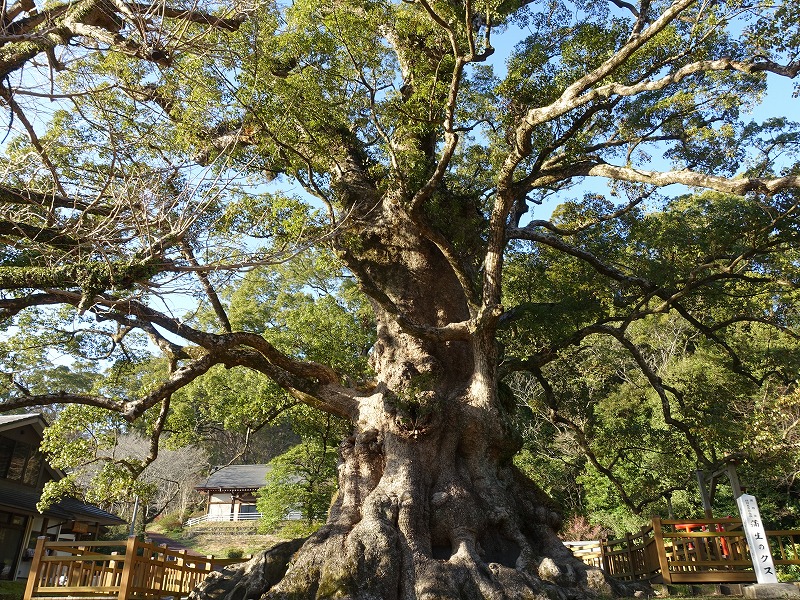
(221, 344)
(738, 186)
(191, 16)
(92, 276)
(55, 238)
(99, 21)
(49, 202)
(570, 231)
(569, 103)
(9, 307)
(569, 98)
(303, 379)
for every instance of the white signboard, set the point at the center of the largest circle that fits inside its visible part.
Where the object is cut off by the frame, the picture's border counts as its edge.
(756, 539)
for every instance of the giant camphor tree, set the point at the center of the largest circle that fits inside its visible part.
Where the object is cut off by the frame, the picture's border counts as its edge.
(184, 144)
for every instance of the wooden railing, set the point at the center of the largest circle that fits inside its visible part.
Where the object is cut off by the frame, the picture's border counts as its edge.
(632, 558)
(703, 551)
(133, 570)
(222, 518)
(589, 552)
(697, 551)
(292, 515)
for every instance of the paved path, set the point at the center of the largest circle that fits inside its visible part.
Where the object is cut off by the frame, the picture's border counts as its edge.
(157, 538)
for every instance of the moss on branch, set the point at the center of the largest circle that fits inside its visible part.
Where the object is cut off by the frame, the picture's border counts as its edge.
(90, 276)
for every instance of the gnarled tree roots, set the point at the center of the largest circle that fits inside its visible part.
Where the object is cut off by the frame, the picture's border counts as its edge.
(373, 560)
(429, 507)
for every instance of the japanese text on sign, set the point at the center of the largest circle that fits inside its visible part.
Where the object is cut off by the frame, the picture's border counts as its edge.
(756, 539)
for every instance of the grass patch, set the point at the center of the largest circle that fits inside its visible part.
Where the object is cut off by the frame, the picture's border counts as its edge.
(220, 538)
(12, 590)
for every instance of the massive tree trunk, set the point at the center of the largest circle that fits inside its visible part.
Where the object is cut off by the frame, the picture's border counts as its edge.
(429, 513)
(381, 111)
(429, 505)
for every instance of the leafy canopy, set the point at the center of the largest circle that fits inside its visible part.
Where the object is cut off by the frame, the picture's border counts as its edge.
(193, 194)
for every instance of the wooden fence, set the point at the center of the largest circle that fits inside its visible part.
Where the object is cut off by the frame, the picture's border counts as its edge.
(698, 551)
(667, 551)
(589, 552)
(132, 570)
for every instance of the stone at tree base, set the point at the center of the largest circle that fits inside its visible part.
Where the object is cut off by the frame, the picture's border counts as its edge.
(771, 591)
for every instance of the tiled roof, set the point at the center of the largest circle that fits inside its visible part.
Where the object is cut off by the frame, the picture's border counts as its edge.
(11, 418)
(14, 421)
(90, 512)
(23, 500)
(236, 477)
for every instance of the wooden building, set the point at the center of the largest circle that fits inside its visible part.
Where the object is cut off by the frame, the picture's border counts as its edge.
(232, 490)
(23, 473)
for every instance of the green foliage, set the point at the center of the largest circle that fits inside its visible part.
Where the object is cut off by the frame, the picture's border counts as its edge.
(234, 553)
(83, 442)
(309, 308)
(655, 334)
(292, 530)
(728, 398)
(171, 522)
(235, 401)
(306, 305)
(304, 477)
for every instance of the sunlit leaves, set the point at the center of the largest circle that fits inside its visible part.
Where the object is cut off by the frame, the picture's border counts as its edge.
(307, 309)
(287, 220)
(233, 400)
(304, 477)
(776, 34)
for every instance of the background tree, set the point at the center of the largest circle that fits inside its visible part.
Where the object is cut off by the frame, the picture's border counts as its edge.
(303, 479)
(417, 164)
(607, 428)
(109, 465)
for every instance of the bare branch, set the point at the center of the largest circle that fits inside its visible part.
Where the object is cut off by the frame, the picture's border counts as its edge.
(5, 94)
(192, 16)
(531, 233)
(738, 186)
(211, 293)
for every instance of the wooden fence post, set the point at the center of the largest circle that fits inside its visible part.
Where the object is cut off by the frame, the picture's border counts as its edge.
(33, 576)
(111, 574)
(181, 562)
(604, 562)
(629, 551)
(127, 568)
(658, 536)
(159, 570)
(643, 531)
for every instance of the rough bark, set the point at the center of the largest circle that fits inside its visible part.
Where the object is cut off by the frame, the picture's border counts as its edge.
(421, 514)
(429, 502)
(250, 579)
